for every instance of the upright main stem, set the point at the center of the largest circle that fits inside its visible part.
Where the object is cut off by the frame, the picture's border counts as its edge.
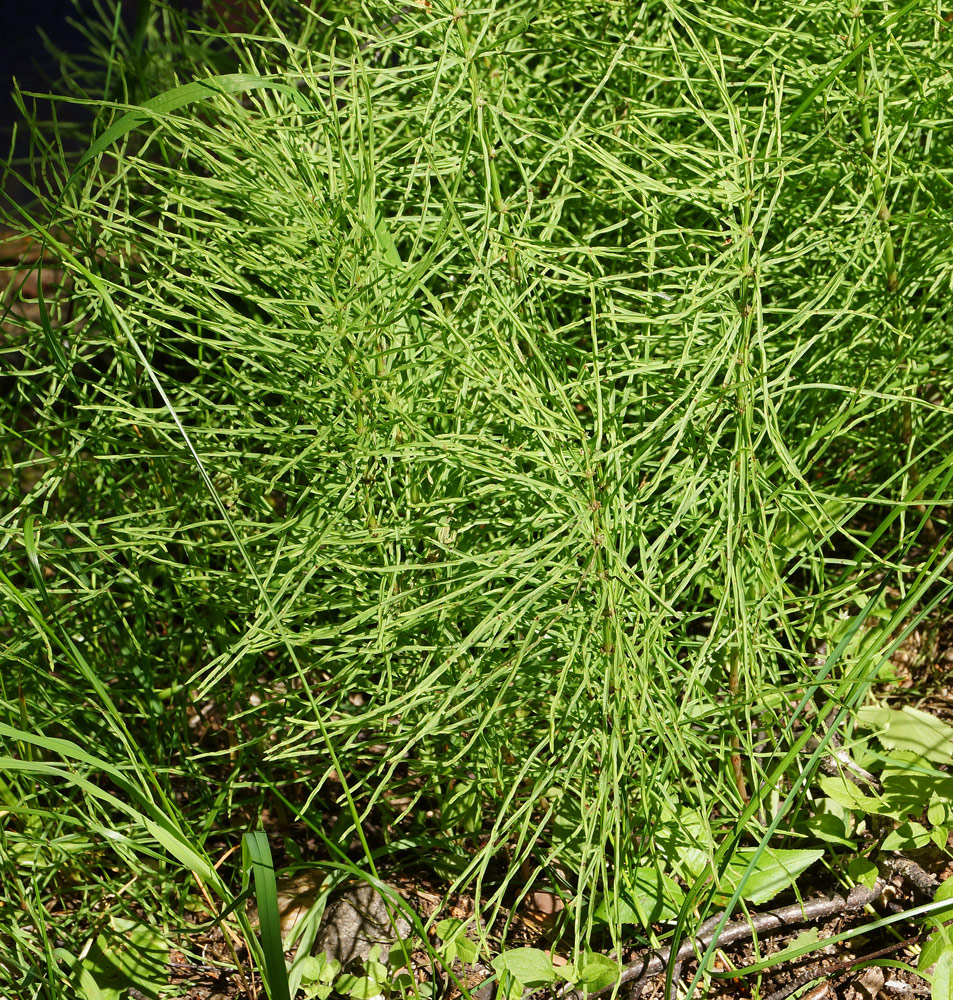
(883, 213)
(890, 261)
(489, 153)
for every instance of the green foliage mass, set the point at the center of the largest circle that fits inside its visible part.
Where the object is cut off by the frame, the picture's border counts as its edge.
(475, 418)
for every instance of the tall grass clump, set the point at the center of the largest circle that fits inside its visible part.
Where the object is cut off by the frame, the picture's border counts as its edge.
(469, 425)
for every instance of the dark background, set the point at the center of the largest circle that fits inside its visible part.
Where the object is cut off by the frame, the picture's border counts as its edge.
(24, 57)
(22, 53)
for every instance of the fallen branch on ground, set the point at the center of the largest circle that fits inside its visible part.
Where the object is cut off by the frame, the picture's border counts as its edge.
(654, 963)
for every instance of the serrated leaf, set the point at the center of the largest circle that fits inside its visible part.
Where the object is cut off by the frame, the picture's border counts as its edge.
(89, 988)
(648, 896)
(467, 950)
(845, 793)
(318, 991)
(357, 987)
(456, 944)
(906, 787)
(311, 968)
(598, 972)
(933, 947)
(945, 890)
(805, 937)
(448, 929)
(938, 811)
(906, 836)
(776, 870)
(943, 977)
(830, 829)
(863, 872)
(912, 730)
(528, 966)
(134, 954)
(624, 911)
